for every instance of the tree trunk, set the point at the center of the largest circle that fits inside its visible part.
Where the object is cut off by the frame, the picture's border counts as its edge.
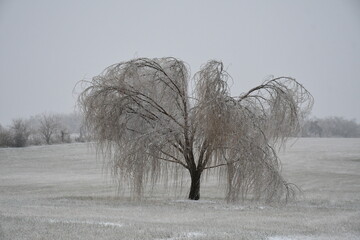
(230, 196)
(195, 185)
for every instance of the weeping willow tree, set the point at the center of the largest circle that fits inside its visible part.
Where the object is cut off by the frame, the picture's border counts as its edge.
(149, 126)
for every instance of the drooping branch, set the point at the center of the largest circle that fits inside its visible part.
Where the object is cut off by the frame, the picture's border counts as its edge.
(241, 130)
(142, 99)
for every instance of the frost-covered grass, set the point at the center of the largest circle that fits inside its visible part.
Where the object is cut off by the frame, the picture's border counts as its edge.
(60, 192)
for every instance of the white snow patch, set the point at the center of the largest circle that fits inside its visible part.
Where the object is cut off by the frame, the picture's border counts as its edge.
(186, 236)
(290, 238)
(238, 208)
(105, 224)
(280, 238)
(172, 238)
(194, 234)
(194, 202)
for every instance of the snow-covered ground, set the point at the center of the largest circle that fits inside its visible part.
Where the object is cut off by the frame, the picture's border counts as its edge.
(61, 192)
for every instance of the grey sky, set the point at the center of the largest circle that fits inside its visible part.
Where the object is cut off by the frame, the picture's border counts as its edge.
(47, 46)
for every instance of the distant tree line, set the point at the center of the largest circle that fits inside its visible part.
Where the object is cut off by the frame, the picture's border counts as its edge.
(66, 128)
(43, 129)
(331, 127)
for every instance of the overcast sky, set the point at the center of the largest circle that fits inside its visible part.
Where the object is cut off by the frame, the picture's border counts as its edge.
(46, 47)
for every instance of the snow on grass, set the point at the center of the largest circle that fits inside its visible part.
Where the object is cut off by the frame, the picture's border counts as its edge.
(347, 236)
(194, 202)
(188, 235)
(318, 237)
(105, 224)
(194, 234)
(290, 238)
(64, 185)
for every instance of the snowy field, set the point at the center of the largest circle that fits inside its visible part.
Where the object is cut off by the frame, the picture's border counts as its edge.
(61, 192)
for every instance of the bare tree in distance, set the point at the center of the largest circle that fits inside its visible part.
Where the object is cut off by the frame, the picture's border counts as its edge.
(6, 139)
(149, 126)
(49, 125)
(331, 127)
(21, 132)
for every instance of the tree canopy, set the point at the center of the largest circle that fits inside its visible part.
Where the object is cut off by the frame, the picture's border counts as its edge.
(150, 125)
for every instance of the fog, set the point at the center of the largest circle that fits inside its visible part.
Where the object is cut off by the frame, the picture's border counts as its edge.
(46, 47)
